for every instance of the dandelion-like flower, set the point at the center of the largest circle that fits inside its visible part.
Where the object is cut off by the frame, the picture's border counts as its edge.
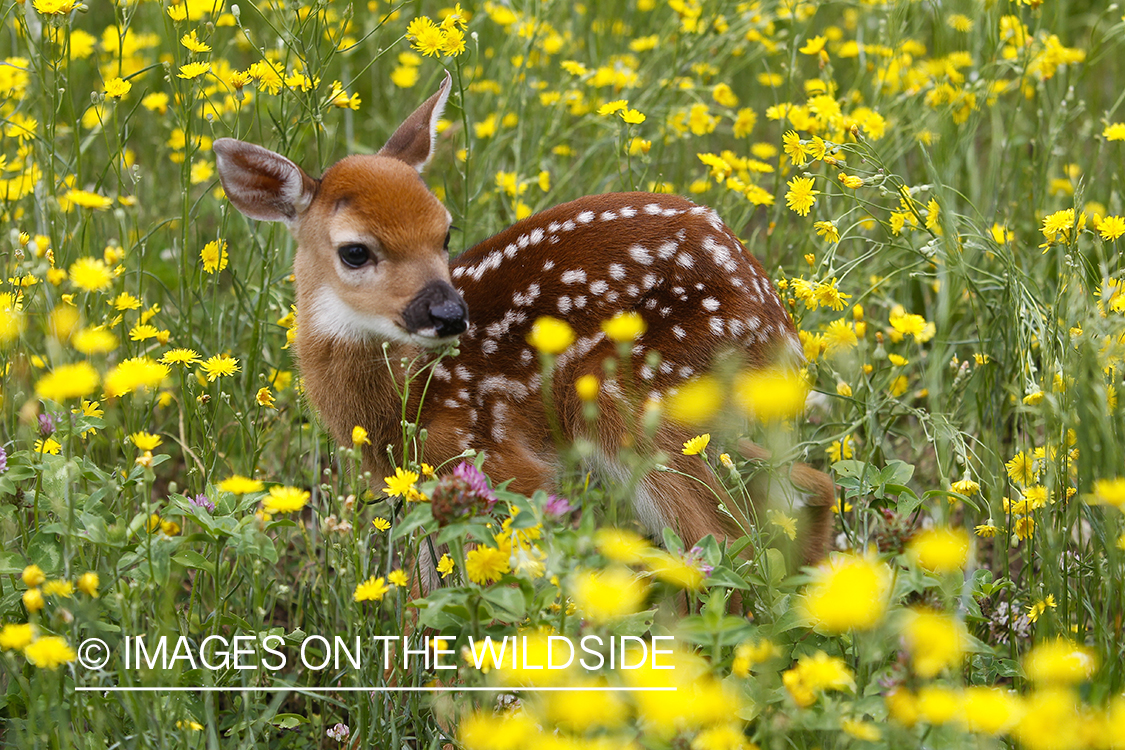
(49, 652)
(849, 592)
(90, 274)
(285, 499)
(401, 484)
(801, 195)
(371, 590)
(219, 366)
(696, 445)
(940, 550)
(484, 564)
(551, 335)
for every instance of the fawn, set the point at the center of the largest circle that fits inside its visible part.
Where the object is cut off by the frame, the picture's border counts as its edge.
(374, 285)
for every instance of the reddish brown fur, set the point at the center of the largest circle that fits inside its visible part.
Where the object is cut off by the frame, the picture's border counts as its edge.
(674, 263)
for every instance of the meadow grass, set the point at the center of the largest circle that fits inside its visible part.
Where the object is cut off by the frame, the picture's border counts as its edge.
(936, 190)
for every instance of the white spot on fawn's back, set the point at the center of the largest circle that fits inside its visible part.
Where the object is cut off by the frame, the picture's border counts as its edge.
(577, 276)
(640, 255)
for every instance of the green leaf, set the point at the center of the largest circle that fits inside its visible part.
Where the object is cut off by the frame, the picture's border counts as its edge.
(727, 578)
(508, 599)
(192, 559)
(45, 551)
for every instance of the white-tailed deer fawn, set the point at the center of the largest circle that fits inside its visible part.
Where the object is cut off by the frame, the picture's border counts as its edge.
(372, 270)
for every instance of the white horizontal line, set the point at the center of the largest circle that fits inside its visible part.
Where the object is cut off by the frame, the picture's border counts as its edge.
(408, 689)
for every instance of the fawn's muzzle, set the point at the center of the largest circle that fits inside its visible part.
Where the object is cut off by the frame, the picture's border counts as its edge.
(438, 310)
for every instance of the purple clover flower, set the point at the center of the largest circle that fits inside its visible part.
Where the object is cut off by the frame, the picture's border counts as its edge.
(3, 460)
(477, 482)
(46, 425)
(695, 559)
(203, 502)
(557, 506)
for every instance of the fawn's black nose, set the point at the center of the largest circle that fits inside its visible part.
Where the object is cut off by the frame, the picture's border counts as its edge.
(438, 311)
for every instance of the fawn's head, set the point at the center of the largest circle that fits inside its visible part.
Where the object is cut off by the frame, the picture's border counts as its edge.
(372, 240)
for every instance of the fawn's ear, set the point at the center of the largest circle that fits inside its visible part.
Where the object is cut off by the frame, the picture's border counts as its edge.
(261, 184)
(413, 142)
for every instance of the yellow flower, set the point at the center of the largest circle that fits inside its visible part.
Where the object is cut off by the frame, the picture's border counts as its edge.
(90, 274)
(426, 37)
(675, 570)
(1059, 662)
(54, 7)
(401, 484)
(49, 445)
(381, 524)
(371, 590)
(220, 365)
(814, 674)
(1111, 227)
(848, 592)
(134, 373)
(33, 576)
(903, 324)
(240, 485)
(696, 401)
(95, 340)
(801, 195)
(191, 42)
(484, 564)
(115, 88)
(1114, 131)
(587, 387)
(622, 545)
(605, 595)
(966, 487)
(551, 335)
(787, 524)
(180, 357)
(1021, 469)
(991, 710)
(16, 637)
(193, 70)
(359, 436)
(1109, 492)
(264, 397)
(624, 327)
(797, 153)
(146, 441)
(697, 445)
(214, 256)
(445, 565)
(49, 652)
(88, 583)
(986, 530)
(632, 117)
(861, 730)
(940, 550)
(813, 46)
(935, 641)
(827, 230)
(33, 600)
(747, 655)
(285, 499)
(68, 381)
(770, 395)
(398, 578)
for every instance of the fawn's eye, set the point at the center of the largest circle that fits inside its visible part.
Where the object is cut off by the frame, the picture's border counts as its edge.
(447, 241)
(354, 255)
